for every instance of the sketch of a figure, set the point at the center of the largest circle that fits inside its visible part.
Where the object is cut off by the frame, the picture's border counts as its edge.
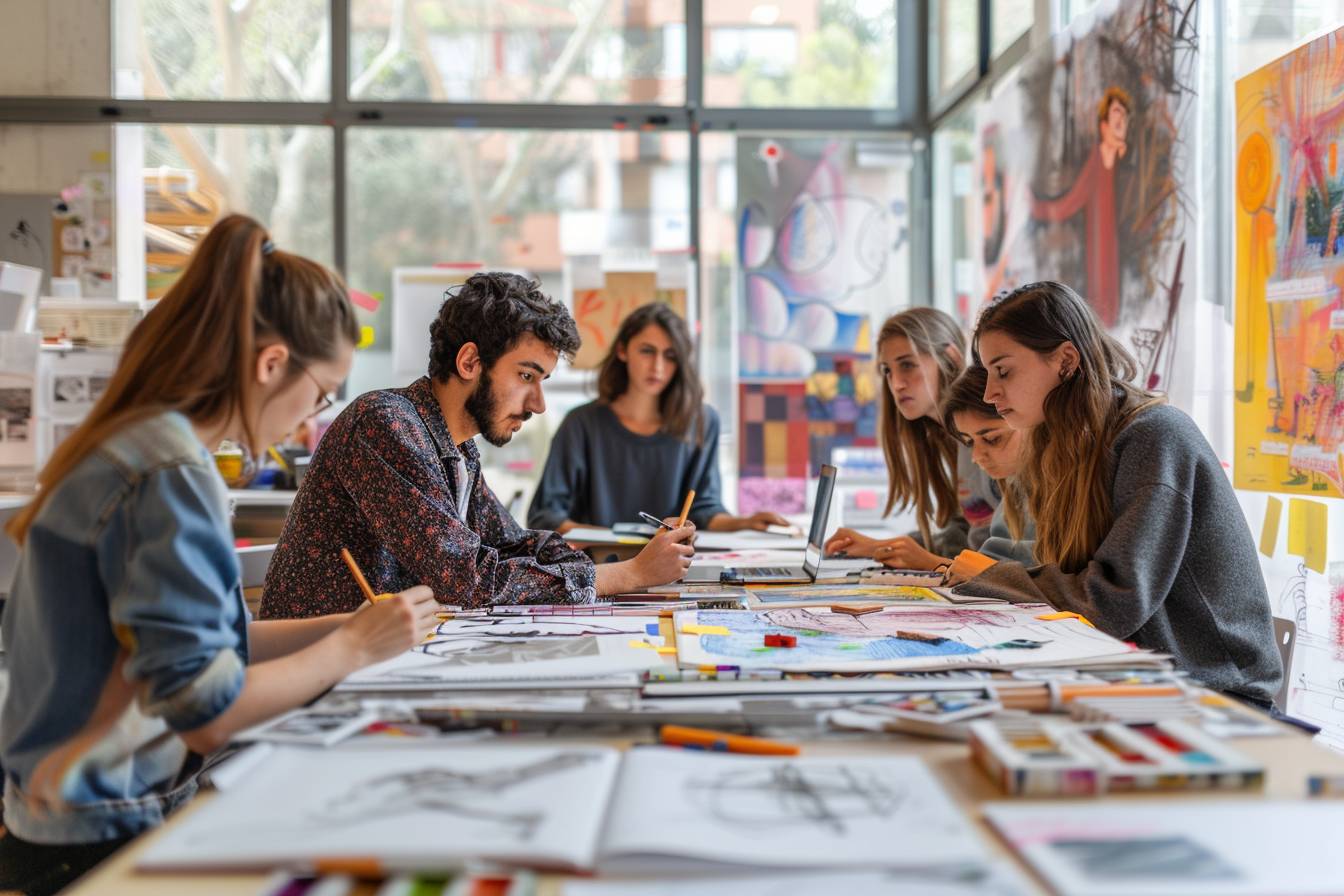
(787, 795)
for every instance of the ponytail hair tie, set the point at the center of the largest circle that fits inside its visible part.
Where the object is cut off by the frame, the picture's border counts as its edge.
(267, 247)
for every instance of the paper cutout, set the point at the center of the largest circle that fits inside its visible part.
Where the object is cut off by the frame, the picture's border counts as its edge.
(1269, 532)
(1308, 530)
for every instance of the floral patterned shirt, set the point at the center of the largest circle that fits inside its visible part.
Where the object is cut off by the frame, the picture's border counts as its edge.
(384, 484)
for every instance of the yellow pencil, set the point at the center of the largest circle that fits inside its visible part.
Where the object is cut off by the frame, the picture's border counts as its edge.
(359, 576)
(279, 458)
(686, 508)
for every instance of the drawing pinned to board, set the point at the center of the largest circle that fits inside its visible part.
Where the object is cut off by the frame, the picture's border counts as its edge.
(841, 407)
(773, 435)
(820, 224)
(1289, 412)
(1101, 196)
(599, 310)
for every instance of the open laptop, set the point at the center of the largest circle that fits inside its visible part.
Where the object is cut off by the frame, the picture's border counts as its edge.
(816, 538)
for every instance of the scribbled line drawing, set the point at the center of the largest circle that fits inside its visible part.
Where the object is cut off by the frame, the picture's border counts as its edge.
(787, 795)
(468, 652)
(1156, 859)
(470, 795)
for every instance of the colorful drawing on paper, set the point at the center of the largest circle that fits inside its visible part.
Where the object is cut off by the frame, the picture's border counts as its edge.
(774, 429)
(1085, 163)
(822, 594)
(598, 312)
(1289, 206)
(896, 638)
(784, 495)
(841, 406)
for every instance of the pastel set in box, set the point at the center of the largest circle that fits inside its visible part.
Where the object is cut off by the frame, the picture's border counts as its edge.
(1058, 758)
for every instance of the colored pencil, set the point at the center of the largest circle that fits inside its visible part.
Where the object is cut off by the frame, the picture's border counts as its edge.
(359, 576)
(686, 508)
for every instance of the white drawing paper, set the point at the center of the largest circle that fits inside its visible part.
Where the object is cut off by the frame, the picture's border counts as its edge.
(1179, 847)
(423, 807)
(784, 812)
(515, 648)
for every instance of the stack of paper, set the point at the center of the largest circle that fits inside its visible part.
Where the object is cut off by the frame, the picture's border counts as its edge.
(426, 807)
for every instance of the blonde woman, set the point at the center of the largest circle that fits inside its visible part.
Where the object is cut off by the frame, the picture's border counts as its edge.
(920, 352)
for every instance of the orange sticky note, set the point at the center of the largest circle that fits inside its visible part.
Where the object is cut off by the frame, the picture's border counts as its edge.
(1269, 531)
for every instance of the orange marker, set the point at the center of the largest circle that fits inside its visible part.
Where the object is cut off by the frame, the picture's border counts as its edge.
(686, 508)
(702, 739)
(359, 578)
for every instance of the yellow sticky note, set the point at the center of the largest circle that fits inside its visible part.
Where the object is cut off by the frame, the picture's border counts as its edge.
(1269, 532)
(693, 629)
(366, 337)
(664, 651)
(1308, 530)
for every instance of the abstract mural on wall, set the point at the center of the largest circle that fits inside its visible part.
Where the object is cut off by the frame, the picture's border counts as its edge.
(1289, 207)
(774, 430)
(821, 224)
(1085, 167)
(841, 406)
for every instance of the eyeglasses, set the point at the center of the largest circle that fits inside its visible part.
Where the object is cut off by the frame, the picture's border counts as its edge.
(325, 399)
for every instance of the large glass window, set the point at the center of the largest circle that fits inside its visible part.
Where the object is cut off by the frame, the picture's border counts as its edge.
(568, 208)
(801, 54)
(1263, 30)
(191, 176)
(217, 50)
(955, 51)
(1010, 20)
(955, 268)
(553, 51)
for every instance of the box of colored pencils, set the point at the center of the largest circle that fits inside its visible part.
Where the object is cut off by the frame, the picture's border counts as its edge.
(1027, 756)
(1168, 755)
(1044, 757)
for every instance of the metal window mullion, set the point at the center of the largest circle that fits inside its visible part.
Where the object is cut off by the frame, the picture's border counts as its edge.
(340, 81)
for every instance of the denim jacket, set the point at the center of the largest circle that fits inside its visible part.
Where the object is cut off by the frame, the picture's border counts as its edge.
(133, 550)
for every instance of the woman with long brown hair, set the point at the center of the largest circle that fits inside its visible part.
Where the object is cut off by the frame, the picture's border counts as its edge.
(920, 352)
(127, 641)
(995, 448)
(647, 439)
(1137, 526)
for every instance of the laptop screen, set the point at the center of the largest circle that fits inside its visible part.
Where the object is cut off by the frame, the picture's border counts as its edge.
(821, 514)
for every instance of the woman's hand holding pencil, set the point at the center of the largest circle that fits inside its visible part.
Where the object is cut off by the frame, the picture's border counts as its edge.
(389, 624)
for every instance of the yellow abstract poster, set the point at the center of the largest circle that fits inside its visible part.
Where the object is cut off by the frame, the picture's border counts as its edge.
(1289, 210)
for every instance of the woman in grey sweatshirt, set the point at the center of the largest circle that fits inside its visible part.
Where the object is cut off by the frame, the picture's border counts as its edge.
(1137, 526)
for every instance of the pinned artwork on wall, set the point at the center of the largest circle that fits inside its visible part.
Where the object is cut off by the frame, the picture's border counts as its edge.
(1085, 163)
(602, 297)
(841, 407)
(774, 432)
(1289, 200)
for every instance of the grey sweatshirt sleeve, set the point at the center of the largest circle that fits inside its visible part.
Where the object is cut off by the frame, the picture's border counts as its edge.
(1125, 582)
(1001, 545)
(562, 479)
(1177, 572)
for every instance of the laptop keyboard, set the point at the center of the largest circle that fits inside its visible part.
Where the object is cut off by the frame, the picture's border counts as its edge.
(768, 571)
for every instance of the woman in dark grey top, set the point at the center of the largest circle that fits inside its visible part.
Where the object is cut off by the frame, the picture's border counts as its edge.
(646, 441)
(1137, 526)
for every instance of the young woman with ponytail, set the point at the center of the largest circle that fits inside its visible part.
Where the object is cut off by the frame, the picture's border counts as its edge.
(920, 352)
(129, 649)
(1137, 526)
